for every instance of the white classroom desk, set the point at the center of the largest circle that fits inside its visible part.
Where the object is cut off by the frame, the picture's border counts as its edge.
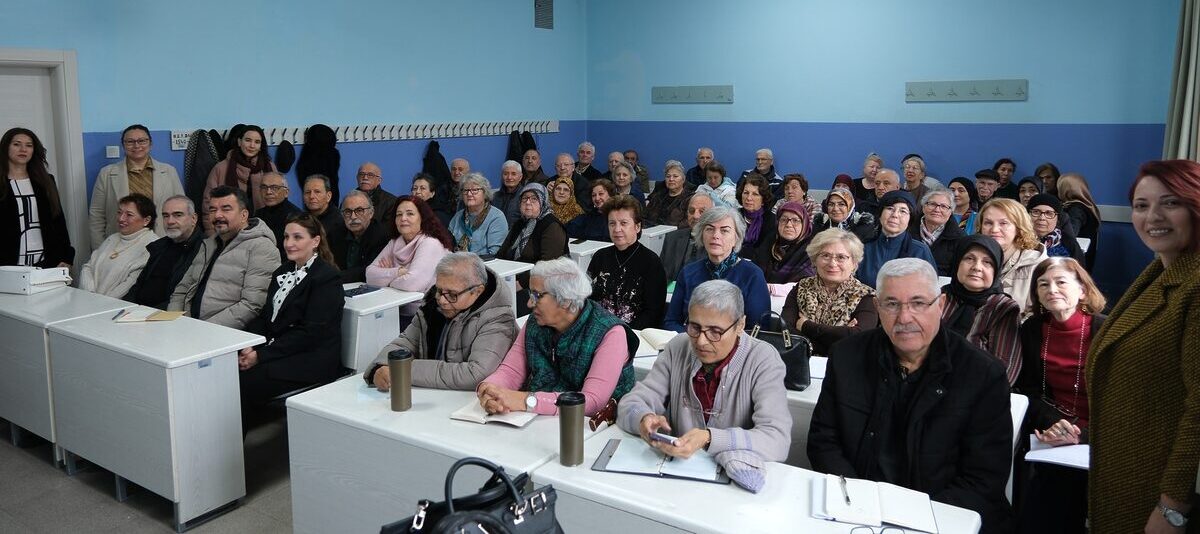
(595, 501)
(582, 252)
(156, 403)
(356, 465)
(654, 236)
(508, 270)
(370, 322)
(1085, 244)
(25, 388)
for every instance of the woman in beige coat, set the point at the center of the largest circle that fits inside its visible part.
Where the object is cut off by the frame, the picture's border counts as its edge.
(1007, 222)
(113, 183)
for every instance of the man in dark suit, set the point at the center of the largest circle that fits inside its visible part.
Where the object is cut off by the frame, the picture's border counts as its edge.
(370, 181)
(360, 241)
(277, 207)
(170, 256)
(678, 247)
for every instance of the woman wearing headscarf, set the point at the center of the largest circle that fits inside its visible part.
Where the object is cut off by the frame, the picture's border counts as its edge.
(977, 307)
(242, 169)
(785, 260)
(562, 200)
(833, 304)
(1052, 227)
(1027, 187)
(837, 211)
(537, 235)
(966, 202)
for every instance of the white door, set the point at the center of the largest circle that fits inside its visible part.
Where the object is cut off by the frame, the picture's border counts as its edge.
(25, 101)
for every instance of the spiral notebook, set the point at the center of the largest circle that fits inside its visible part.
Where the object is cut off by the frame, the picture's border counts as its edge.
(864, 502)
(636, 457)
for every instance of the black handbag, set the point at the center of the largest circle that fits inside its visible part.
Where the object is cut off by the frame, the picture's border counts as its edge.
(794, 349)
(498, 507)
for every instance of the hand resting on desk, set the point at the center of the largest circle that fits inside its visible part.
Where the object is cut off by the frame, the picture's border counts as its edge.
(497, 400)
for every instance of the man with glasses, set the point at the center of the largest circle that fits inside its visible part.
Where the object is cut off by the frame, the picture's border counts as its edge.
(276, 207)
(170, 256)
(362, 239)
(136, 173)
(370, 178)
(916, 405)
(930, 228)
(464, 328)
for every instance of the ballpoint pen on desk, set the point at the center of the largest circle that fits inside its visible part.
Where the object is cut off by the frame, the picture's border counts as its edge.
(118, 315)
(845, 493)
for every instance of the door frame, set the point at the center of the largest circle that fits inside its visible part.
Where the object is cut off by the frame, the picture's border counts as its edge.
(68, 131)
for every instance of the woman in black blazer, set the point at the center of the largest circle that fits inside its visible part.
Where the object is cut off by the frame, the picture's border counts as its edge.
(28, 183)
(301, 319)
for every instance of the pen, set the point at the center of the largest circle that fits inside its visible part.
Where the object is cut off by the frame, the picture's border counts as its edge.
(844, 492)
(119, 313)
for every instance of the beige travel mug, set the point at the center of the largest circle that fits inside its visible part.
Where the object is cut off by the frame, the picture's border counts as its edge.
(400, 367)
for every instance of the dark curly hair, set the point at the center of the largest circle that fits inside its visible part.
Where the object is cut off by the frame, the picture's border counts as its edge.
(430, 224)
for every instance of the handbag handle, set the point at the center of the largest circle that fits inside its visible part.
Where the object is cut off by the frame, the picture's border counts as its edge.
(495, 469)
(787, 332)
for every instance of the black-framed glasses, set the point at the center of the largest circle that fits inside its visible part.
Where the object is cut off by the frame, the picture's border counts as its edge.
(137, 142)
(937, 206)
(452, 296)
(357, 212)
(370, 175)
(712, 333)
(790, 221)
(1043, 214)
(893, 307)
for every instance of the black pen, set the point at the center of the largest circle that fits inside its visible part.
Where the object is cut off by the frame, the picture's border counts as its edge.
(120, 313)
(845, 493)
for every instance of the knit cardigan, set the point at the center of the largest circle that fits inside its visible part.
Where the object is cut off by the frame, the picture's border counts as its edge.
(114, 276)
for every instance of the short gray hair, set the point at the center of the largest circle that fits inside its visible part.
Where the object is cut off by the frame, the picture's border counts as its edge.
(477, 179)
(703, 148)
(587, 144)
(902, 267)
(191, 206)
(357, 193)
(324, 180)
(674, 164)
(719, 296)
(717, 213)
(920, 162)
(766, 151)
(565, 281)
(276, 173)
(511, 163)
(938, 191)
(462, 264)
(891, 172)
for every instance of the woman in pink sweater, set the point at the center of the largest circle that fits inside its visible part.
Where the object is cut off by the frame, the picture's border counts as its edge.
(407, 262)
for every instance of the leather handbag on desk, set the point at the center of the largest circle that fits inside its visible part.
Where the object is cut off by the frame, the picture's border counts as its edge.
(498, 507)
(793, 348)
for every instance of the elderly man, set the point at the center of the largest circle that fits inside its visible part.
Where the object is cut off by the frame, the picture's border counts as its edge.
(936, 208)
(695, 175)
(915, 405)
(370, 181)
(506, 199)
(137, 173)
(748, 428)
(614, 159)
(318, 202)
(886, 181)
(894, 241)
(641, 172)
(987, 182)
(531, 165)
(679, 248)
(170, 256)
(459, 168)
(228, 279)
(764, 164)
(587, 154)
(276, 207)
(465, 326)
(361, 240)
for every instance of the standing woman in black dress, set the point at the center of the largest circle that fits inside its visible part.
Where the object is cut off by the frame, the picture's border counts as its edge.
(34, 230)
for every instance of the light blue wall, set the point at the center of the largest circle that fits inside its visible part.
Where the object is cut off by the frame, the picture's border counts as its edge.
(1087, 61)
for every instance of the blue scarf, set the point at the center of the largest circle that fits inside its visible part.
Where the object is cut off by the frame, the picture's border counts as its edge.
(717, 271)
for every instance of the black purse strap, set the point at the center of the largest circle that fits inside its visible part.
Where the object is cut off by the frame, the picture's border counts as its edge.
(783, 327)
(496, 472)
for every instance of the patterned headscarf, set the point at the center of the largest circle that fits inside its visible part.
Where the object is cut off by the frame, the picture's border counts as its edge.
(527, 231)
(567, 210)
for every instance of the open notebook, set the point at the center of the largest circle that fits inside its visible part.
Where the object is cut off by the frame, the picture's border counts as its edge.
(657, 338)
(871, 504)
(636, 457)
(474, 413)
(142, 314)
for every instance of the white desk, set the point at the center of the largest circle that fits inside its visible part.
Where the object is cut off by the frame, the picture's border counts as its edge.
(654, 236)
(943, 281)
(595, 501)
(370, 322)
(357, 465)
(508, 270)
(25, 388)
(582, 252)
(777, 301)
(1085, 244)
(156, 403)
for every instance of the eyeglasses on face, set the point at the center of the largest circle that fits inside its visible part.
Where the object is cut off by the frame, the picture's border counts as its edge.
(938, 206)
(893, 307)
(712, 333)
(272, 188)
(356, 212)
(828, 257)
(789, 221)
(452, 296)
(1043, 214)
(370, 175)
(137, 142)
(472, 191)
(535, 296)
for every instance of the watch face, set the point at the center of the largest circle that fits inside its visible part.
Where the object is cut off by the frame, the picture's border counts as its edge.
(1175, 518)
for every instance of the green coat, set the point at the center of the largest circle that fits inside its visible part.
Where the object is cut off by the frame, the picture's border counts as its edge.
(1145, 425)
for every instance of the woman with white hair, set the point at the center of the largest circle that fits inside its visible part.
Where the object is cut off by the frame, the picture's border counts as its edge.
(720, 231)
(668, 204)
(750, 426)
(479, 226)
(570, 344)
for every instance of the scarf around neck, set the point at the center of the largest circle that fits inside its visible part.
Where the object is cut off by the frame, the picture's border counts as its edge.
(969, 301)
(717, 271)
(530, 224)
(754, 224)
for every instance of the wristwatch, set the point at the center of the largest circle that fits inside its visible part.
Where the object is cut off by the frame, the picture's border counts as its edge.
(531, 405)
(1173, 516)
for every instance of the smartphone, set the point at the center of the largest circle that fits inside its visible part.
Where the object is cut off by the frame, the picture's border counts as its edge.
(658, 436)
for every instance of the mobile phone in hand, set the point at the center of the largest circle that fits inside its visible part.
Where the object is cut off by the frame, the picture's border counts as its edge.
(668, 439)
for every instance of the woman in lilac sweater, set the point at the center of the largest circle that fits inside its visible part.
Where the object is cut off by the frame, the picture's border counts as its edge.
(408, 261)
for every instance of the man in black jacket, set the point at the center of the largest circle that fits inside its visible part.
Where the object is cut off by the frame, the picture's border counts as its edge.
(917, 406)
(277, 209)
(360, 241)
(170, 256)
(679, 248)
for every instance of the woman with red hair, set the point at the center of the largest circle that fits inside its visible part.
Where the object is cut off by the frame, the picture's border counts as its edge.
(408, 261)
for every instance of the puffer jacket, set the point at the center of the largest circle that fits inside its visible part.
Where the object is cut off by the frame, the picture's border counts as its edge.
(237, 285)
(476, 340)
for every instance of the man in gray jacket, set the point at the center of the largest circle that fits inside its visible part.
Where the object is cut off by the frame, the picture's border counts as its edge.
(464, 328)
(227, 282)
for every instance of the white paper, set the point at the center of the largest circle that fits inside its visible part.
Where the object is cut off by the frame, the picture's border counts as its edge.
(1077, 456)
(635, 456)
(701, 466)
(475, 413)
(816, 366)
(906, 508)
(864, 508)
(656, 337)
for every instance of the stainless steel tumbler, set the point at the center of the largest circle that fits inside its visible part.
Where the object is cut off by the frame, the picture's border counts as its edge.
(400, 367)
(570, 428)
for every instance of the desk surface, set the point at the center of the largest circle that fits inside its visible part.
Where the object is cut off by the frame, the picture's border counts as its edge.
(165, 343)
(56, 305)
(428, 425)
(505, 268)
(587, 248)
(380, 300)
(784, 500)
(655, 231)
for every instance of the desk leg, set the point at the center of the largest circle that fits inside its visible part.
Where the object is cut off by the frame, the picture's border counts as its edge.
(200, 519)
(69, 459)
(122, 488)
(14, 434)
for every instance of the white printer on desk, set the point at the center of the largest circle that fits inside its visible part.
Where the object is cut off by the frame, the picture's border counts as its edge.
(30, 280)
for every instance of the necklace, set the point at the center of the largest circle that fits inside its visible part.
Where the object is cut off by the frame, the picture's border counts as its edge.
(1083, 328)
(621, 264)
(114, 255)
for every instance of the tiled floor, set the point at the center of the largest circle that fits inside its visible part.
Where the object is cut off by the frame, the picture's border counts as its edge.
(37, 497)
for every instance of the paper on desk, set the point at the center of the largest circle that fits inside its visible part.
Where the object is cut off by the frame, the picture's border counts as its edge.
(634, 456)
(656, 337)
(1077, 456)
(701, 466)
(816, 366)
(371, 393)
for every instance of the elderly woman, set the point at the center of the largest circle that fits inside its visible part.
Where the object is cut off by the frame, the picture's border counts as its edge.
(571, 344)
(1049, 174)
(838, 211)
(593, 225)
(1027, 187)
(114, 267)
(720, 231)
(538, 235)
(750, 426)
(1052, 227)
(1081, 211)
(407, 262)
(623, 181)
(1054, 346)
(936, 229)
(755, 194)
(465, 326)
(628, 279)
(1006, 221)
(864, 186)
(479, 226)
(1144, 406)
(719, 186)
(562, 200)
(833, 304)
(977, 307)
(966, 202)
(668, 204)
(795, 189)
(1005, 168)
(423, 187)
(915, 180)
(785, 260)
(896, 208)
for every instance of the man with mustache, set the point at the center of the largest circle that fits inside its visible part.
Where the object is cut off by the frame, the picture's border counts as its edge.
(227, 281)
(170, 256)
(916, 405)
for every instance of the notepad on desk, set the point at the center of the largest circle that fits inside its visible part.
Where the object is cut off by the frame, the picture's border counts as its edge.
(656, 337)
(475, 413)
(143, 314)
(636, 457)
(864, 502)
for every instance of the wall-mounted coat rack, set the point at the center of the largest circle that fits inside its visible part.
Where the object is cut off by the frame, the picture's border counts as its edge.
(392, 132)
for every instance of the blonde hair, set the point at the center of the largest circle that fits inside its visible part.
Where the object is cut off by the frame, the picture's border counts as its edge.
(830, 236)
(1025, 239)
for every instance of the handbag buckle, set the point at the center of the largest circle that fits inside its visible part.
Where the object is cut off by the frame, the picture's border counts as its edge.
(787, 338)
(419, 518)
(518, 510)
(754, 332)
(533, 508)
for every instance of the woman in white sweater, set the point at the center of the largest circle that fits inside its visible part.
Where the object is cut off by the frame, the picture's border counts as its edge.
(115, 265)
